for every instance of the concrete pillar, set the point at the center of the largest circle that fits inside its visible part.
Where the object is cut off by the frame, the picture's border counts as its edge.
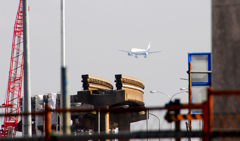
(104, 123)
(225, 44)
(225, 61)
(124, 121)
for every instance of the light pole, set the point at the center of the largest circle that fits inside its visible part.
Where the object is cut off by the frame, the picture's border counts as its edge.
(158, 121)
(184, 89)
(183, 79)
(170, 98)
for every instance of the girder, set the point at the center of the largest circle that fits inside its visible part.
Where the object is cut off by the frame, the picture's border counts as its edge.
(12, 104)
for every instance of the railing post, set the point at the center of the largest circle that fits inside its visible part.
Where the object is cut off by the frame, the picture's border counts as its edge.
(190, 93)
(47, 122)
(206, 116)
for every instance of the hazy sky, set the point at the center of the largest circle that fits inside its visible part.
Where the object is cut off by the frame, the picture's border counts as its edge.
(97, 29)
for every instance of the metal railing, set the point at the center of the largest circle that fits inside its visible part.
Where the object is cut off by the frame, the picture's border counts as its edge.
(221, 119)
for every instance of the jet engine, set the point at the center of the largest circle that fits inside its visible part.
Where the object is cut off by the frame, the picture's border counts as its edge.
(146, 55)
(129, 54)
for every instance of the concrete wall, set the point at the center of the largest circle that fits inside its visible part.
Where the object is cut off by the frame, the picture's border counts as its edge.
(226, 44)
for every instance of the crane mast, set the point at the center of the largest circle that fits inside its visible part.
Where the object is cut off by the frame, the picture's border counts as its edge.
(12, 104)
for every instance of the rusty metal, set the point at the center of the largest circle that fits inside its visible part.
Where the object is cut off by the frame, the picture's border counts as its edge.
(206, 134)
(47, 122)
(223, 114)
(190, 93)
(206, 121)
(210, 110)
(24, 114)
(183, 106)
(224, 92)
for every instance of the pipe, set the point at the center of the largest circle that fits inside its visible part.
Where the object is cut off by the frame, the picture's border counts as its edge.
(65, 102)
(27, 87)
(48, 122)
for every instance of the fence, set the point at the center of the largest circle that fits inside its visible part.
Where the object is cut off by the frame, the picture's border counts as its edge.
(150, 129)
(220, 118)
(224, 115)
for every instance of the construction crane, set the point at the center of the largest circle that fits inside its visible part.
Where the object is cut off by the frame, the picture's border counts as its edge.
(13, 97)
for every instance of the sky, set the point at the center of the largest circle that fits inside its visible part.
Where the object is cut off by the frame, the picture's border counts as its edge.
(97, 29)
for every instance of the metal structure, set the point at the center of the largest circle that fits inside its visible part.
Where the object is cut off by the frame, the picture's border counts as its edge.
(12, 104)
(64, 79)
(199, 70)
(26, 80)
(220, 122)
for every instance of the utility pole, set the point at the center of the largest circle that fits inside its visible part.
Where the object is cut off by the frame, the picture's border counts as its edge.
(65, 102)
(27, 87)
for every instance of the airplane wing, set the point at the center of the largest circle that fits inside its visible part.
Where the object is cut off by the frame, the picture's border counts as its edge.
(124, 51)
(154, 52)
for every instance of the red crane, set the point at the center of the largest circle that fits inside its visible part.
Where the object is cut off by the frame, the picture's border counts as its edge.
(13, 97)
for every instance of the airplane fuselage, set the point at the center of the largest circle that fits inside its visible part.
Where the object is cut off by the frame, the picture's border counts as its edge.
(137, 51)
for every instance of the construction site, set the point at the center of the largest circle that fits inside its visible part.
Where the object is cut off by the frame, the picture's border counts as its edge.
(104, 111)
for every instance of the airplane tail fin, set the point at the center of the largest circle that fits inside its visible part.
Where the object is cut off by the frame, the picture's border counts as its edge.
(149, 46)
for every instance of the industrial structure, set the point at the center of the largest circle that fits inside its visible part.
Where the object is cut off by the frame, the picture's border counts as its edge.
(97, 93)
(12, 104)
(96, 107)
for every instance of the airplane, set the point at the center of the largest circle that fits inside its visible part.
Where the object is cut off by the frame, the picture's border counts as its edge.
(137, 51)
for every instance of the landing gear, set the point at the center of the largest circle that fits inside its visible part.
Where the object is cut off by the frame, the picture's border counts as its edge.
(145, 56)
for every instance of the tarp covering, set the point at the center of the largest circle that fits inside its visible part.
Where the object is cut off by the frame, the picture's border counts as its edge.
(52, 102)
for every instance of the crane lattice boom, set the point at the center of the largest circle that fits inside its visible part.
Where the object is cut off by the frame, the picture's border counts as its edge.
(13, 97)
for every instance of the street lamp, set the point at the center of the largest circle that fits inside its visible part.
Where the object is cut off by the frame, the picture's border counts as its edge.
(148, 117)
(183, 89)
(157, 118)
(183, 79)
(170, 97)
